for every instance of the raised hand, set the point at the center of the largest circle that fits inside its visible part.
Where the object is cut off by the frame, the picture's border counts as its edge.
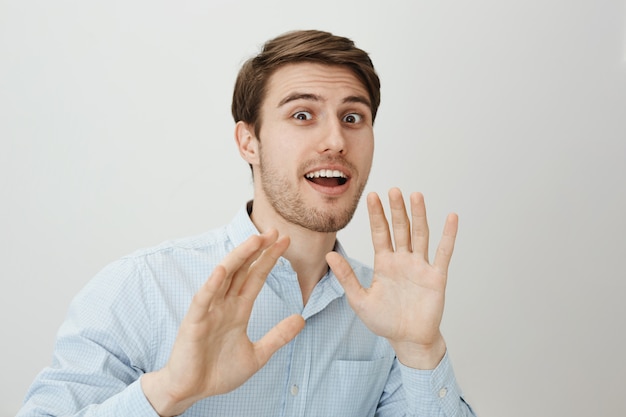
(406, 299)
(212, 353)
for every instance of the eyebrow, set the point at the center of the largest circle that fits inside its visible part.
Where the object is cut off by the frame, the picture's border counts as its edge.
(299, 96)
(358, 99)
(315, 97)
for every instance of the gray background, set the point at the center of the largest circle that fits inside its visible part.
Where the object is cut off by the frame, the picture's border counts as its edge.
(116, 134)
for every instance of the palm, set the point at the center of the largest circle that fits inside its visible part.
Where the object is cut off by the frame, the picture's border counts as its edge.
(211, 344)
(408, 290)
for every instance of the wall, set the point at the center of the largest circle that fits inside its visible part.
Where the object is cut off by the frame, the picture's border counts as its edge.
(115, 134)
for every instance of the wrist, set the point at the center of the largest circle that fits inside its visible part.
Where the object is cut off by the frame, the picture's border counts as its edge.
(165, 404)
(420, 356)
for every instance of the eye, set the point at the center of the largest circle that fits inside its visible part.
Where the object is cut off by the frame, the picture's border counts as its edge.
(352, 118)
(302, 115)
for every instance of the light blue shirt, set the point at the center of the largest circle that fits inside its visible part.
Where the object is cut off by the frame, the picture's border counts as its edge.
(124, 322)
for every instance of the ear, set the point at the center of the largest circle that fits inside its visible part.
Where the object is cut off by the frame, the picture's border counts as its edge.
(247, 142)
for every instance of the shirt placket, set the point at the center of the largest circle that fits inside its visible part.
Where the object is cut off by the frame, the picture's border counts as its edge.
(298, 379)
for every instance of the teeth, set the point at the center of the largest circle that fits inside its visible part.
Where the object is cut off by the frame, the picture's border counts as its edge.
(326, 173)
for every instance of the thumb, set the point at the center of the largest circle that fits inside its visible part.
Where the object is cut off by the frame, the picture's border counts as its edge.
(346, 277)
(277, 337)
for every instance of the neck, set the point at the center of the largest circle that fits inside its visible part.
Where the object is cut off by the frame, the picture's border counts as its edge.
(307, 250)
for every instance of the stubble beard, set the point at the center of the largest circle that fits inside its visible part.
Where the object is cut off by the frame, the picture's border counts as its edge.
(288, 202)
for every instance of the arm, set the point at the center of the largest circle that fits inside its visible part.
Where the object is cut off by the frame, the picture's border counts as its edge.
(405, 301)
(107, 341)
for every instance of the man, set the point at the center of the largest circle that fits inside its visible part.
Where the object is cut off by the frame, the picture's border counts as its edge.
(285, 324)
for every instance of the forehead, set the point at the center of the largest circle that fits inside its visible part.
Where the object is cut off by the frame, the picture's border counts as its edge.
(327, 81)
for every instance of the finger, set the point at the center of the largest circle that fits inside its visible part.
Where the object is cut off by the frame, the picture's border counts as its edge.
(201, 301)
(400, 221)
(277, 337)
(381, 238)
(238, 262)
(446, 245)
(259, 270)
(420, 233)
(346, 277)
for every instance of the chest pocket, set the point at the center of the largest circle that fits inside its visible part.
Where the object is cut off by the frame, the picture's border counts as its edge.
(353, 388)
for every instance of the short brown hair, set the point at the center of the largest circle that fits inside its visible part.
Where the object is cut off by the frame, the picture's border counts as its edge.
(292, 47)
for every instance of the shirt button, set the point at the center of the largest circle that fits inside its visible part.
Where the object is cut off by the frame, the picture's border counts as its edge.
(294, 390)
(443, 392)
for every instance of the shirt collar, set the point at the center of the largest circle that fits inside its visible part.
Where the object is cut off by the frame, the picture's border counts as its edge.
(241, 228)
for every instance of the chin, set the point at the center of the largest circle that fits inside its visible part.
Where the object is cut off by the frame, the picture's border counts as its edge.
(324, 222)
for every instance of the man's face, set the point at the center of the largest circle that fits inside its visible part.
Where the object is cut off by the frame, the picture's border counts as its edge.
(316, 145)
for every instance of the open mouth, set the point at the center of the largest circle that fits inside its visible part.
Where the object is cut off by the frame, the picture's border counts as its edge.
(327, 177)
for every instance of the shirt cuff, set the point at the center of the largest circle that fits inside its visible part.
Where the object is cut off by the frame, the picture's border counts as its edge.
(431, 392)
(135, 402)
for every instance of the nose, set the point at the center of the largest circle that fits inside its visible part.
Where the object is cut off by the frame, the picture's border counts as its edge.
(333, 138)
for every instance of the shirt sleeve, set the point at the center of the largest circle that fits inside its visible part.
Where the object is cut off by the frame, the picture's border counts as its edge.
(434, 393)
(100, 352)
